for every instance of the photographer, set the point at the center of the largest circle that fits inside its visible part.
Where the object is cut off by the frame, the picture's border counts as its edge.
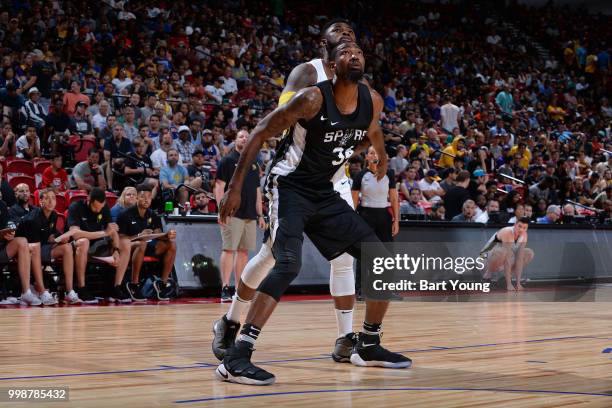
(199, 172)
(138, 165)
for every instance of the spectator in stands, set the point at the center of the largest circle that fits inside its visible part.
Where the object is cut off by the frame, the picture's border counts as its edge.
(239, 234)
(450, 114)
(478, 185)
(34, 113)
(106, 132)
(126, 200)
(172, 176)
(212, 154)
(215, 92)
(46, 243)
(55, 176)
(519, 212)
(457, 195)
(553, 213)
(87, 174)
(7, 194)
(467, 213)
(159, 158)
(140, 167)
(115, 150)
(130, 126)
(97, 236)
(7, 145)
(57, 120)
(399, 163)
(201, 201)
(455, 150)
(28, 145)
(22, 205)
(16, 248)
(141, 219)
(99, 119)
(185, 145)
(73, 97)
(198, 172)
(541, 190)
(492, 208)
(438, 212)
(412, 207)
(448, 178)
(80, 123)
(430, 187)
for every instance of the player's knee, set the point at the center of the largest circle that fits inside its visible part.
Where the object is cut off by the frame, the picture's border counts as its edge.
(342, 278)
(82, 244)
(21, 242)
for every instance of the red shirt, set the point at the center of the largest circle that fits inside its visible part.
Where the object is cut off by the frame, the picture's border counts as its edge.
(58, 180)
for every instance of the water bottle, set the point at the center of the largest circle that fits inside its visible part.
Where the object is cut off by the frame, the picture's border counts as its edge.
(187, 208)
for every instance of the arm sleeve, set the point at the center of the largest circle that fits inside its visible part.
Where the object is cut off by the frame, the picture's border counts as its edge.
(74, 216)
(391, 176)
(357, 181)
(223, 170)
(122, 222)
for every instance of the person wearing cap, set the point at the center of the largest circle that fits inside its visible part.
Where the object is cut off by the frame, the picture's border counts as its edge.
(185, 146)
(478, 185)
(33, 111)
(198, 171)
(140, 167)
(71, 98)
(80, 123)
(430, 187)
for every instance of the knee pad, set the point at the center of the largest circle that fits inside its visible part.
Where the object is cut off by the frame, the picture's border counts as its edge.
(287, 267)
(258, 267)
(342, 277)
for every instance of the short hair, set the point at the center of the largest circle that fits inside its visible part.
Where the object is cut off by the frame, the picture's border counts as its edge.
(97, 194)
(524, 220)
(462, 176)
(155, 115)
(42, 193)
(332, 22)
(468, 202)
(93, 150)
(553, 209)
(172, 149)
(143, 187)
(56, 155)
(332, 54)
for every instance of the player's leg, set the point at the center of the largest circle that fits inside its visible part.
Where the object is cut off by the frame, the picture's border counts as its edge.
(166, 250)
(80, 266)
(18, 248)
(523, 257)
(342, 288)
(63, 251)
(45, 297)
(134, 288)
(226, 328)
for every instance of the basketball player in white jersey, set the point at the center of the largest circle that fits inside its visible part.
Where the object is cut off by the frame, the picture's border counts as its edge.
(506, 250)
(342, 279)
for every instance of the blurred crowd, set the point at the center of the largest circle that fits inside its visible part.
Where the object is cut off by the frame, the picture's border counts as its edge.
(479, 124)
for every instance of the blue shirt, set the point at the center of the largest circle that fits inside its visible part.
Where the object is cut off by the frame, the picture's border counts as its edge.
(116, 211)
(544, 220)
(173, 175)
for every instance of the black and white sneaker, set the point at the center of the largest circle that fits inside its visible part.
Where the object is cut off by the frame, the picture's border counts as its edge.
(343, 348)
(237, 367)
(224, 336)
(369, 353)
(162, 289)
(135, 292)
(86, 296)
(119, 295)
(226, 294)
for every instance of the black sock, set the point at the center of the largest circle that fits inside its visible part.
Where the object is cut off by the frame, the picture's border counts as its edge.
(249, 333)
(371, 328)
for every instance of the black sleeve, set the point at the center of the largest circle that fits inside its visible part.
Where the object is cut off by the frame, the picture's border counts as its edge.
(191, 170)
(123, 223)
(74, 215)
(391, 176)
(156, 224)
(357, 181)
(8, 194)
(106, 216)
(29, 228)
(4, 215)
(225, 170)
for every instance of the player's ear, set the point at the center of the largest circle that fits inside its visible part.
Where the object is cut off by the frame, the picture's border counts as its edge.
(332, 65)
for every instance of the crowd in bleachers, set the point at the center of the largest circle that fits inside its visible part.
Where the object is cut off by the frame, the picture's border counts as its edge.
(112, 94)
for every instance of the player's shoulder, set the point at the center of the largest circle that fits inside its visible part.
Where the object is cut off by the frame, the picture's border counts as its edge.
(302, 76)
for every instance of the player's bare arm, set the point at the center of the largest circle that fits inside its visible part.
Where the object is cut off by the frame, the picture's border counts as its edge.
(375, 135)
(304, 105)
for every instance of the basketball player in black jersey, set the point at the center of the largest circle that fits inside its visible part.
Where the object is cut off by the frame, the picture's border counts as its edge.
(327, 122)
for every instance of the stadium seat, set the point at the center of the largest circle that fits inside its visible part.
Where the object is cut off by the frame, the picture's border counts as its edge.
(61, 221)
(111, 199)
(40, 166)
(75, 195)
(19, 166)
(29, 180)
(85, 144)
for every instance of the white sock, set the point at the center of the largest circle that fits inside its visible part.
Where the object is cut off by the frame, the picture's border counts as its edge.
(237, 308)
(344, 319)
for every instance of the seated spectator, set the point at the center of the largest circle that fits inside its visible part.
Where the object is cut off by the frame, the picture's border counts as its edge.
(73, 97)
(491, 209)
(201, 204)
(430, 187)
(212, 154)
(159, 158)
(448, 178)
(80, 123)
(46, 243)
(468, 212)
(140, 167)
(140, 219)
(55, 176)
(455, 150)
(22, 205)
(438, 212)
(99, 119)
(172, 175)
(399, 163)
(7, 141)
(457, 194)
(519, 212)
(199, 172)
(553, 213)
(185, 145)
(126, 200)
(478, 185)
(28, 145)
(96, 235)
(115, 150)
(33, 112)
(7, 194)
(17, 248)
(87, 175)
(412, 207)
(130, 124)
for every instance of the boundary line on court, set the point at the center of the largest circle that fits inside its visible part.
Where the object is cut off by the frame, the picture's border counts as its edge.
(213, 365)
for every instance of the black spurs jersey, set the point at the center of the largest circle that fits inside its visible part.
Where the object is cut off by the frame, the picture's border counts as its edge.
(311, 153)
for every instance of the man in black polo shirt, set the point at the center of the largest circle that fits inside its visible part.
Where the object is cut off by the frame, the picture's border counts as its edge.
(114, 145)
(46, 243)
(96, 235)
(22, 207)
(239, 234)
(141, 219)
(199, 172)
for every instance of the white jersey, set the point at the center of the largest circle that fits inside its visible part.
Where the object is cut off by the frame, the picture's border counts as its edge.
(340, 180)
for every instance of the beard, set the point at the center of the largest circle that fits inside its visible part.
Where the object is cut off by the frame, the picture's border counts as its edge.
(354, 75)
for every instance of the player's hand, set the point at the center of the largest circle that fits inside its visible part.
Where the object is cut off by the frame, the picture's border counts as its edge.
(112, 227)
(64, 238)
(261, 222)
(230, 203)
(381, 168)
(146, 232)
(395, 228)
(8, 236)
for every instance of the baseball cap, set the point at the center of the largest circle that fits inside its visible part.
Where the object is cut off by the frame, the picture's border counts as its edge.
(33, 90)
(479, 173)
(433, 174)
(196, 152)
(183, 128)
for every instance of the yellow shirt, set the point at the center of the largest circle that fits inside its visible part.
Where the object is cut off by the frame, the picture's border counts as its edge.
(523, 161)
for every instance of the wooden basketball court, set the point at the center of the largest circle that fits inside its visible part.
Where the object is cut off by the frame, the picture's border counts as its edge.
(504, 354)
